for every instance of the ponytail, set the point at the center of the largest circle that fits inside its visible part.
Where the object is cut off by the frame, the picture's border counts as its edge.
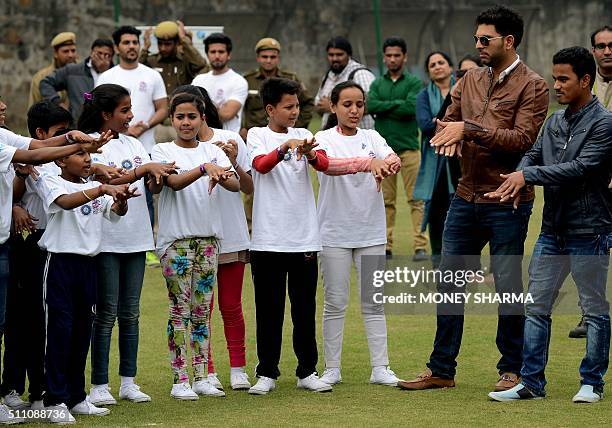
(103, 99)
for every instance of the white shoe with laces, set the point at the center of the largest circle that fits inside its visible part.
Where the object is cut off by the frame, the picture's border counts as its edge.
(587, 394)
(263, 386)
(313, 383)
(131, 392)
(86, 407)
(13, 401)
(331, 376)
(239, 380)
(7, 417)
(59, 414)
(214, 381)
(203, 387)
(183, 391)
(383, 375)
(99, 395)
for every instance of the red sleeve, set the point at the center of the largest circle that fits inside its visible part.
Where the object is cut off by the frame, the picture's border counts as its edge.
(264, 163)
(321, 161)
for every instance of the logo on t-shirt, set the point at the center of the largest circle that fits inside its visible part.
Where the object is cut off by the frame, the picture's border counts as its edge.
(85, 210)
(142, 86)
(137, 160)
(372, 154)
(126, 164)
(113, 164)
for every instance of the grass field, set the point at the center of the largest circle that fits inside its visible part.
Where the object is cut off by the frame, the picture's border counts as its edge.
(355, 402)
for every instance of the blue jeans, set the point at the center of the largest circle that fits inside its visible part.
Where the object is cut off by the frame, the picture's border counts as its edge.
(4, 281)
(468, 228)
(554, 258)
(120, 279)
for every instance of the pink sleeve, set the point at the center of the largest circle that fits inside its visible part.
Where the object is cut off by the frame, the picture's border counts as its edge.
(343, 166)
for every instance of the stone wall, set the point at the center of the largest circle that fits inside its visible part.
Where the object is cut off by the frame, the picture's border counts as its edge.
(303, 28)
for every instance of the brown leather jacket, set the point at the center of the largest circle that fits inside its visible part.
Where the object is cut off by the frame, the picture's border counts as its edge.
(502, 121)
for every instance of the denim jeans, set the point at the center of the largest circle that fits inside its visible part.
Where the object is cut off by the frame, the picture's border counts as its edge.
(554, 258)
(4, 281)
(468, 228)
(120, 279)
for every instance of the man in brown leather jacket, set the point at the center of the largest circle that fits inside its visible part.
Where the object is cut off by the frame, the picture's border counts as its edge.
(494, 118)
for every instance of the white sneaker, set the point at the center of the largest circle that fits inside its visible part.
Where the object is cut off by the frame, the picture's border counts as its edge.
(263, 386)
(239, 380)
(203, 387)
(183, 391)
(14, 401)
(99, 395)
(313, 383)
(86, 407)
(7, 417)
(383, 376)
(331, 376)
(59, 415)
(214, 381)
(132, 392)
(518, 392)
(587, 394)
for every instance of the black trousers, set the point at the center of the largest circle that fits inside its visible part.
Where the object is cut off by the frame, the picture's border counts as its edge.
(274, 273)
(24, 335)
(70, 295)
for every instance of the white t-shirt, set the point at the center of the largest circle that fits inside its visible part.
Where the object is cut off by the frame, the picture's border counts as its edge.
(190, 212)
(75, 231)
(9, 144)
(31, 200)
(132, 233)
(145, 86)
(351, 212)
(284, 212)
(235, 228)
(222, 88)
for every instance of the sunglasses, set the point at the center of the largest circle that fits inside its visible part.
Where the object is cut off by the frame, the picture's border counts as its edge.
(485, 40)
(603, 46)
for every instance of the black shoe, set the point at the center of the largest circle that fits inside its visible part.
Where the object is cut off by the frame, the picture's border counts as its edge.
(420, 256)
(580, 331)
(388, 254)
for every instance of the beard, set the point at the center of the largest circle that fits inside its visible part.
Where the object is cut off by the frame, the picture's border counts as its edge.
(218, 65)
(337, 68)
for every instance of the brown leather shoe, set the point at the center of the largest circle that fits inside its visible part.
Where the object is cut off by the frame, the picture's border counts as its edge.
(506, 381)
(426, 380)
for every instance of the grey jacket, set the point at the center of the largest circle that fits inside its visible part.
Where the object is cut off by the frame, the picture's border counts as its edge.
(76, 79)
(572, 159)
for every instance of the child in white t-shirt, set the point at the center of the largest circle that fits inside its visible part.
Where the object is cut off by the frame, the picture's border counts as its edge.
(285, 236)
(234, 247)
(190, 227)
(73, 237)
(351, 216)
(121, 262)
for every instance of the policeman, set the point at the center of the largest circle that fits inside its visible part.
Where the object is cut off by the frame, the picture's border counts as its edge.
(268, 57)
(64, 52)
(178, 62)
(254, 113)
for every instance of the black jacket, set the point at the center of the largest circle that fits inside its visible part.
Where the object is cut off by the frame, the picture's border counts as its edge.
(572, 159)
(76, 79)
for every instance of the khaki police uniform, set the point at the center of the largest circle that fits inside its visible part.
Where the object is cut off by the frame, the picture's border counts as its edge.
(65, 38)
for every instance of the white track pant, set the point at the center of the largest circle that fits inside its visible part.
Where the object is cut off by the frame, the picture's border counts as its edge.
(336, 266)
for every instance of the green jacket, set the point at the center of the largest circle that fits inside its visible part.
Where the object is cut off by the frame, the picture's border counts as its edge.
(393, 105)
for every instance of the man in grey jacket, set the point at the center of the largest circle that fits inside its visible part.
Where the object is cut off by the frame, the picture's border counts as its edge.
(572, 160)
(79, 78)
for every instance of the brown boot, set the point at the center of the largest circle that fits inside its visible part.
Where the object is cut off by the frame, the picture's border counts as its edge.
(426, 380)
(506, 381)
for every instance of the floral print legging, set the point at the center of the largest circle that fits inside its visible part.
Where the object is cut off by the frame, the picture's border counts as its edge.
(190, 268)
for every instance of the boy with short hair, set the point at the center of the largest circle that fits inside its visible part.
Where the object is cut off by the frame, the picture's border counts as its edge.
(285, 238)
(76, 208)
